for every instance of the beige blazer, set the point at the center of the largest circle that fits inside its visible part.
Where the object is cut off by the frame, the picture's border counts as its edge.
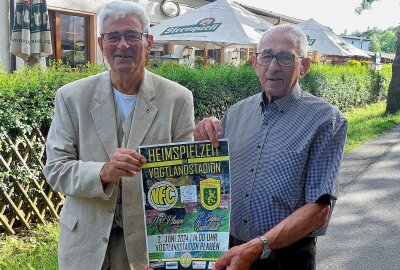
(82, 137)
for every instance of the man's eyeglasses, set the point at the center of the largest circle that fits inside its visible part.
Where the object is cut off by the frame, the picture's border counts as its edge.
(284, 59)
(113, 38)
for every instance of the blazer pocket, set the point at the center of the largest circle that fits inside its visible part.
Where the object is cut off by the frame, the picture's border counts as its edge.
(68, 219)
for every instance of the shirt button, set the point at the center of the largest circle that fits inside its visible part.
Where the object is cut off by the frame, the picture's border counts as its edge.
(247, 195)
(110, 210)
(251, 170)
(258, 146)
(105, 239)
(245, 221)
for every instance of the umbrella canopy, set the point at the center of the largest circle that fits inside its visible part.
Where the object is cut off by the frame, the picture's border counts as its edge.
(216, 25)
(323, 40)
(31, 37)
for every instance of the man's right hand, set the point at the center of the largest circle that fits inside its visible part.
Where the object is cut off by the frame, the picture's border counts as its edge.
(124, 162)
(208, 129)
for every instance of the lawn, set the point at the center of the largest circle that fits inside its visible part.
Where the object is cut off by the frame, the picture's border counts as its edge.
(33, 250)
(367, 122)
(37, 249)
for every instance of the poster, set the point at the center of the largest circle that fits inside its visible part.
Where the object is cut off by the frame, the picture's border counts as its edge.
(187, 204)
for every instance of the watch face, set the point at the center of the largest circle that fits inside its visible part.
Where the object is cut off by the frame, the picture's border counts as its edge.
(170, 8)
(265, 254)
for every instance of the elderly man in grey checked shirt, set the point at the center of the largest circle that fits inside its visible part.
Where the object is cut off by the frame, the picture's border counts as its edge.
(286, 147)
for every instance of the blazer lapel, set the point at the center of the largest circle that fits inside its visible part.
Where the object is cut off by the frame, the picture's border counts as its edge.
(103, 114)
(144, 114)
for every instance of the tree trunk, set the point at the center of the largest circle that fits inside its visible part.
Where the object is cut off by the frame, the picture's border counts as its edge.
(393, 99)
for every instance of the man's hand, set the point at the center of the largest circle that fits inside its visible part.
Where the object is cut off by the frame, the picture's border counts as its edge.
(124, 162)
(240, 257)
(208, 129)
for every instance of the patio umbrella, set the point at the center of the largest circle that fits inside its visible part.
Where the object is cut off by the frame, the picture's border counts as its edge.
(216, 25)
(323, 40)
(31, 37)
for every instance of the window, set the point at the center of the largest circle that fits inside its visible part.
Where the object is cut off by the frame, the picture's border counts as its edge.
(158, 50)
(73, 36)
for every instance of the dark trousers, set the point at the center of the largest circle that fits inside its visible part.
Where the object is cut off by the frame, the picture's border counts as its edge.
(298, 256)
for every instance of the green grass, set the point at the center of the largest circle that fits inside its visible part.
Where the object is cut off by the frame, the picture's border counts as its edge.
(34, 250)
(37, 249)
(367, 122)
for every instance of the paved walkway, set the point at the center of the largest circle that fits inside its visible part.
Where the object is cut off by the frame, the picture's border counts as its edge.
(364, 231)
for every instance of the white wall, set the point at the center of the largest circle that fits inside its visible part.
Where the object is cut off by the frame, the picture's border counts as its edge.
(4, 35)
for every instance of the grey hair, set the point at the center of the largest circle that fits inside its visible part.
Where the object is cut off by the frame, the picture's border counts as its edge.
(294, 33)
(121, 9)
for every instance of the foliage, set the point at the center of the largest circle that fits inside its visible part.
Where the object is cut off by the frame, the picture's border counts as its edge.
(380, 40)
(214, 89)
(393, 99)
(27, 101)
(345, 86)
(36, 249)
(353, 63)
(27, 96)
(365, 4)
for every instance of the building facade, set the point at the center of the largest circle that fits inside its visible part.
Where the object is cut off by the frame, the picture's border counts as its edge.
(73, 25)
(359, 42)
(74, 30)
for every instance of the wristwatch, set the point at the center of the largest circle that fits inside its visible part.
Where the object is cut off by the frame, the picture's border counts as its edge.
(266, 249)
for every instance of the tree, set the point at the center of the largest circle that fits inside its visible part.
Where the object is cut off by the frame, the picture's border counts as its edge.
(375, 44)
(388, 41)
(380, 40)
(393, 99)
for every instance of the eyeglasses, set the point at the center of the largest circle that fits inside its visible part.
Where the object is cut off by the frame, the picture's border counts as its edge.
(114, 38)
(284, 59)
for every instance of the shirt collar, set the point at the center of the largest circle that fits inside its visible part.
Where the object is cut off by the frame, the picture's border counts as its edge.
(283, 103)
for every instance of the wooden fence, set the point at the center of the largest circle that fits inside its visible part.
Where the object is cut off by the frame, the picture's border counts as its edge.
(25, 197)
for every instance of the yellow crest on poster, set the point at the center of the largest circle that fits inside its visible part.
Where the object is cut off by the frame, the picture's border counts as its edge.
(210, 193)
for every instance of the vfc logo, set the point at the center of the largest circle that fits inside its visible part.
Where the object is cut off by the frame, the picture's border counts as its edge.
(210, 193)
(162, 196)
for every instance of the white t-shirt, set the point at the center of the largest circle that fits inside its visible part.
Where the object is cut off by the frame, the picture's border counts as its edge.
(125, 102)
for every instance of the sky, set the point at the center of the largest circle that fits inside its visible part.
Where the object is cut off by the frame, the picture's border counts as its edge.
(337, 14)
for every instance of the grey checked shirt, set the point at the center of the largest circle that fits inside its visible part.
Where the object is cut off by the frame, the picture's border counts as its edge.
(282, 156)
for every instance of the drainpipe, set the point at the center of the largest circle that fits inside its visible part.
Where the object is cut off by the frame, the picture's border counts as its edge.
(13, 59)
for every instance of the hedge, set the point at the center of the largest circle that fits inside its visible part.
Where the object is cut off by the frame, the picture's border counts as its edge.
(27, 95)
(347, 86)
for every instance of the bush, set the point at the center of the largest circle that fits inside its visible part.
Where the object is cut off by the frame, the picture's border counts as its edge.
(214, 89)
(353, 63)
(27, 95)
(344, 86)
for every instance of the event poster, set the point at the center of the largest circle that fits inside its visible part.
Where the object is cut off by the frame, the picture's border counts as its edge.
(187, 204)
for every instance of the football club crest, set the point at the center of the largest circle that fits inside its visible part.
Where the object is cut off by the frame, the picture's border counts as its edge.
(162, 196)
(210, 193)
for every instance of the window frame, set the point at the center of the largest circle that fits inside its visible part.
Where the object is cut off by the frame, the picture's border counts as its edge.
(55, 22)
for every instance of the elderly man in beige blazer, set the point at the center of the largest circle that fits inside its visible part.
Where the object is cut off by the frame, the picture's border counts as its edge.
(92, 144)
